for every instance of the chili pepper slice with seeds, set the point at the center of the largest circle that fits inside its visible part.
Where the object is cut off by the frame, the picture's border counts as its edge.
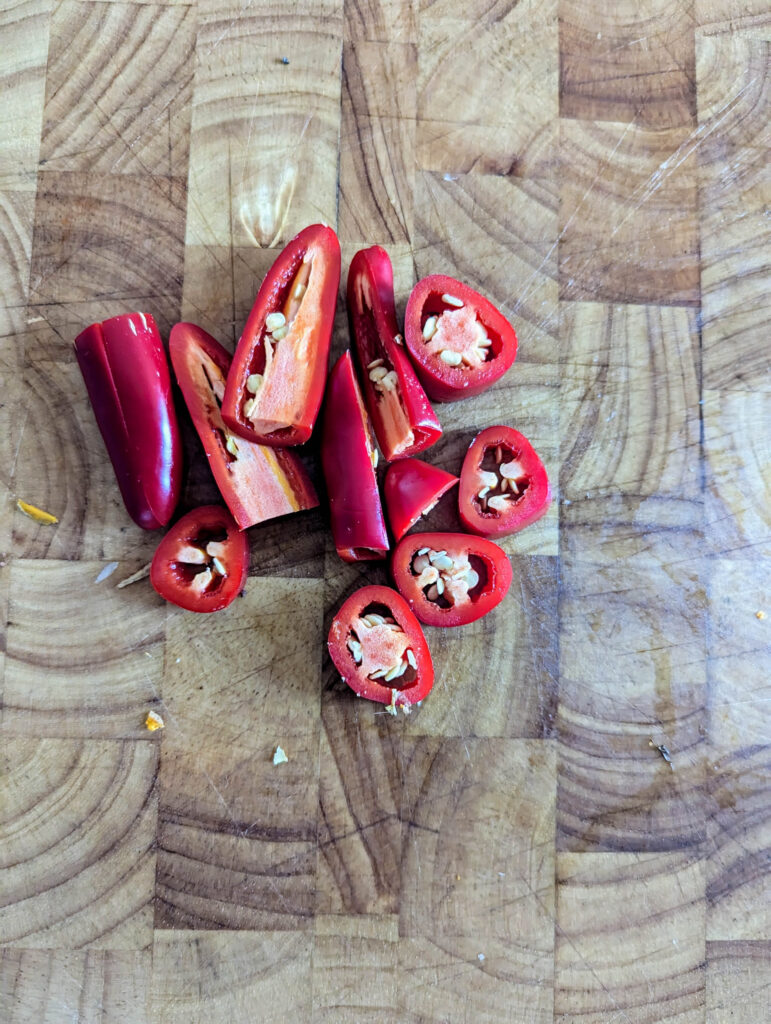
(124, 366)
(257, 482)
(460, 343)
(202, 562)
(349, 458)
(503, 483)
(276, 382)
(401, 413)
(378, 647)
(450, 579)
(411, 490)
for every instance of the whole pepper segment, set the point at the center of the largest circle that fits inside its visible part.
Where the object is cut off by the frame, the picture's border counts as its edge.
(460, 343)
(503, 483)
(349, 457)
(276, 382)
(124, 367)
(412, 488)
(378, 647)
(202, 562)
(256, 481)
(401, 413)
(450, 579)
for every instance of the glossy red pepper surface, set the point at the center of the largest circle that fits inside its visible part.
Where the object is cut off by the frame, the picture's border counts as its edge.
(401, 413)
(348, 457)
(460, 343)
(450, 579)
(503, 483)
(276, 382)
(127, 377)
(202, 562)
(411, 489)
(257, 482)
(375, 634)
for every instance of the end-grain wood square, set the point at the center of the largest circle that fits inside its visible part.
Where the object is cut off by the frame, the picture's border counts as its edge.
(478, 856)
(629, 229)
(632, 670)
(738, 981)
(745, 17)
(472, 75)
(355, 962)
(70, 671)
(381, 21)
(24, 31)
(42, 985)
(107, 236)
(227, 978)
(118, 89)
(632, 61)
(17, 207)
(630, 938)
(77, 830)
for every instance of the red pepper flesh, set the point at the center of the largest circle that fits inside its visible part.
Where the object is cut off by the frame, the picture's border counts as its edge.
(460, 343)
(450, 579)
(503, 483)
(202, 562)
(257, 482)
(276, 382)
(349, 457)
(124, 367)
(375, 636)
(401, 413)
(411, 490)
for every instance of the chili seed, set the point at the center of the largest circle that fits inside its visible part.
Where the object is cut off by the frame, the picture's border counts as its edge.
(429, 575)
(355, 648)
(420, 563)
(219, 568)
(396, 671)
(433, 555)
(498, 454)
(429, 328)
(512, 470)
(499, 502)
(450, 357)
(373, 619)
(378, 373)
(432, 593)
(411, 657)
(378, 674)
(299, 291)
(231, 445)
(390, 380)
(473, 578)
(469, 360)
(280, 333)
(452, 300)
(439, 586)
(483, 493)
(191, 556)
(254, 383)
(374, 363)
(399, 339)
(249, 405)
(274, 321)
(443, 562)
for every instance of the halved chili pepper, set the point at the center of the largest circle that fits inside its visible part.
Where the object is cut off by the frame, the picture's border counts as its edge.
(349, 457)
(378, 647)
(460, 343)
(450, 579)
(257, 482)
(276, 382)
(401, 413)
(411, 490)
(127, 378)
(503, 483)
(202, 562)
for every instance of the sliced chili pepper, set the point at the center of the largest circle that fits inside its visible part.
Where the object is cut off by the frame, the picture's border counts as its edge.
(378, 647)
(276, 382)
(503, 483)
(257, 482)
(411, 490)
(202, 562)
(127, 378)
(460, 343)
(450, 579)
(349, 457)
(401, 413)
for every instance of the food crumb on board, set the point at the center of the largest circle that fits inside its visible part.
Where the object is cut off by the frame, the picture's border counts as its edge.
(760, 614)
(480, 957)
(284, 60)
(664, 751)
(44, 518)
(154, 721)
(140, 574)
(108, 570)
(279, 756)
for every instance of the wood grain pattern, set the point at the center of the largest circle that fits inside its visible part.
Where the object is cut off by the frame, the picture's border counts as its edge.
(738, 979)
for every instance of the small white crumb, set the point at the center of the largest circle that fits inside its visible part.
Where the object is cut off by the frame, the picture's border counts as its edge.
(279, 756)
(480, 957)
(108, 570)
(177, 661)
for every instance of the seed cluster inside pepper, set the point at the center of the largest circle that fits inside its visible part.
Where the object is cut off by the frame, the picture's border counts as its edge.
(502, 479)
(379, 644)
(201, 562)
(445, 579)
(455, 335)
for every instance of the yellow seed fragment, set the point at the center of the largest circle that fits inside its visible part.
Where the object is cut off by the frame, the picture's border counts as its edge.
(254, 383)
(45, 518)
(273, 321)
(249, 407)
(760, 615)
(280, 333)
(231, 445)
(154, 721)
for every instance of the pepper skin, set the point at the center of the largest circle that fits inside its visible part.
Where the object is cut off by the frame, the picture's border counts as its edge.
(411, 490)
(124, 366)
(348, 458)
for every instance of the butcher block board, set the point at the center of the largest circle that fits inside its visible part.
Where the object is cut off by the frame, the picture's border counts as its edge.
(518, 849)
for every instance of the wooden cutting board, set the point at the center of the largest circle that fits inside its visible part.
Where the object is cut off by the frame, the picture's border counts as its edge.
(518, 849)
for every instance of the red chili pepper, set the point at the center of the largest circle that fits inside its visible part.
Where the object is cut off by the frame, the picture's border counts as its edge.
(379, 649)
(127, 378)
(503, 483)
(460, 343)
(349, 457)
(450, 579)
(202, 562)
(401, 413)
(257, 482)
(276, 383)
(411, 490)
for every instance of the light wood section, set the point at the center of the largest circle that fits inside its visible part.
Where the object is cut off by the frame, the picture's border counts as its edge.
(355, 969)
(738, 979)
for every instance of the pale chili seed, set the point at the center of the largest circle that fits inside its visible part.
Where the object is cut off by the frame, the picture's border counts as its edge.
(273, 321)
(452, 300)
